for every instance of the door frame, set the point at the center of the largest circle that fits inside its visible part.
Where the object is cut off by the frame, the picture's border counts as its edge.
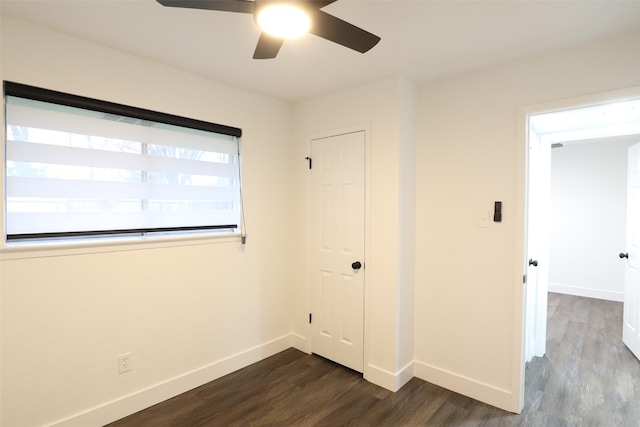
(366, 128)
(536, 285)
(629, 335)
(520, 250)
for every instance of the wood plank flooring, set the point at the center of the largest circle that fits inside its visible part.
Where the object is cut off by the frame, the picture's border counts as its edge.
(587, 378)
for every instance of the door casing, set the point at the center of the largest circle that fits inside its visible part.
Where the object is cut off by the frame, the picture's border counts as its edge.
(631, 318)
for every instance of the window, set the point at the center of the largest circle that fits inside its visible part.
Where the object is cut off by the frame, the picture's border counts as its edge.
(78, 167)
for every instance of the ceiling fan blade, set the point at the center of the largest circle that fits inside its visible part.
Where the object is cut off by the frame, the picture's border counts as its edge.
(319, 4)
(338, 31)
(241, 6)
(268, 46)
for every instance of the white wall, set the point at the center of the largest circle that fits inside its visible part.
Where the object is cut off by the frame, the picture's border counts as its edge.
(588, 216)
(468, 280)
(188, 310)
(384, 108)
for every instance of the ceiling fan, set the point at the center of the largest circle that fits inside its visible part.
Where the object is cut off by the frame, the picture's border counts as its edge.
(312, 20)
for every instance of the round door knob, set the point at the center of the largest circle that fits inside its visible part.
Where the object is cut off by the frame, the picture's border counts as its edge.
(623, 255)
(533, 262)
(356, 265)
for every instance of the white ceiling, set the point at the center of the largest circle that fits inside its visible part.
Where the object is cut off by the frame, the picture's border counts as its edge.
(422, 40)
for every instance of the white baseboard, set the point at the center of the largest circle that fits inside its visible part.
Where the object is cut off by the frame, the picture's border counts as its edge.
(386, 379)
(486, 393)
(559, 288)
(127, 405)
(301, 343)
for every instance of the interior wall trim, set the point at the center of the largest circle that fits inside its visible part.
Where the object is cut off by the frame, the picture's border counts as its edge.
(487, 393)
(389, 380)
(301, 343)
(141, 399)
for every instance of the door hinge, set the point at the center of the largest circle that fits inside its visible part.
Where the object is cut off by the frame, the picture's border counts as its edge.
(310, 161)
(524, 279)
(310, 316)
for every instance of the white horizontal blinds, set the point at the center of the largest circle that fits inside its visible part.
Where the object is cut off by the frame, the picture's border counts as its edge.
(71, 170)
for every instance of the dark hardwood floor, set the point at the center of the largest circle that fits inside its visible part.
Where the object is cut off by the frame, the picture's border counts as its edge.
(587, 378)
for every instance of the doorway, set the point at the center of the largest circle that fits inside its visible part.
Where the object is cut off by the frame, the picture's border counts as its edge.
(541, 127)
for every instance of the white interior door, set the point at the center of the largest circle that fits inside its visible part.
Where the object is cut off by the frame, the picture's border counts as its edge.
(337, 296)
(631, 327)
(537, 283)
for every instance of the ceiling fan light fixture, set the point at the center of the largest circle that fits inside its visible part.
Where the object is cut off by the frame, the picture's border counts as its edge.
(283, 21)
(279, 20)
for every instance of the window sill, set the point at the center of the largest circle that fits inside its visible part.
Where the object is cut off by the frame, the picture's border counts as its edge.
(25, 250)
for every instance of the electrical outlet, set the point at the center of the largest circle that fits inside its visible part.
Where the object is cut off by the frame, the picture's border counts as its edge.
(124, 363)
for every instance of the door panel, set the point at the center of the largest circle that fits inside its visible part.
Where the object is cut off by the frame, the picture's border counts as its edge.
(337, 296)
(537, 257)
(631, 327)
